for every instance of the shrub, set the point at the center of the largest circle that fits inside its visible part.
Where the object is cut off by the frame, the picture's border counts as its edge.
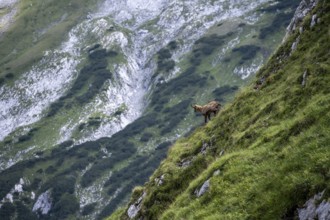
(183, 82)
(206, 45)
(112, 53)
(280, 20)
(247, 52)
(9, 75)
(139, 125)
(67, 205)
(7, 211)
(8, 179)
(121, 153)
(172, 45)
(93, 76)
(23, 212)
(98, 54)
(282, 4)
(24, 138)
(96, 46)
(164, 54)
(54, 108)
(136, 173)
(50, 170)
(66, 144)
(165, 65)
(224, 90)
(94, 123)
(164, 145)
(175, 115)
(145, 137)
(88, 209)
(35, 184)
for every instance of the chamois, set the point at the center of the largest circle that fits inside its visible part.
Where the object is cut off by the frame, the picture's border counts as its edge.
(207, 109)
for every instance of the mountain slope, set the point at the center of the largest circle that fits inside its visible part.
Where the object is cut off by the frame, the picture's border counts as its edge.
(92, 94)
(266, 154)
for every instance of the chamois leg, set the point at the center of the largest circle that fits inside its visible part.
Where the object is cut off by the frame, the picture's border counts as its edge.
(205, 117)
(209, 116)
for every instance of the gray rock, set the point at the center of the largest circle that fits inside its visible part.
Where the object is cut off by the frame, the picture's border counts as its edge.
(221, 153)
(295, 44)
(303, 83)
(323, 210)
(134, 209)
(216, 173)
(160, 180)
(312, 210)
(313, 22)
(204, 188)
(303, 9)
(185, 163)
(43, 203)
(205, 146)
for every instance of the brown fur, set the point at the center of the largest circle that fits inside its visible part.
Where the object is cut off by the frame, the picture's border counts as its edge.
(207, 109)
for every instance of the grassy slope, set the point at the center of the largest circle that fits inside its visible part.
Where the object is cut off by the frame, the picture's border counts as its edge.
(276, 144)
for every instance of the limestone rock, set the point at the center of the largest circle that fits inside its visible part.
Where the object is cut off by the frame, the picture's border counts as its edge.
(160, 180)
(216, 173)
(204, 188)
(205, 146)
(315, 210)
(43, 203)
(313, 22)
(185, 163)
(295, 44)
(303, 9)
(134, 209)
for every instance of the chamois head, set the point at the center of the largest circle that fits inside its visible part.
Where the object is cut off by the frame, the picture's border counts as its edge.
(195, 107)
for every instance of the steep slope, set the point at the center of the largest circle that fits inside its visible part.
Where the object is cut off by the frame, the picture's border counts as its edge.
(266, 155)
(92, 94)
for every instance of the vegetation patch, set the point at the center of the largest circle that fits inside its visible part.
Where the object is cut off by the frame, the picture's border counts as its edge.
(247, 52)
(89, 209)
(165, 63)
(89, 81)
(220, 92)
(136, 173)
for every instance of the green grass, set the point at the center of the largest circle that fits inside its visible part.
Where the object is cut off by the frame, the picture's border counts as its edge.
(276, 143)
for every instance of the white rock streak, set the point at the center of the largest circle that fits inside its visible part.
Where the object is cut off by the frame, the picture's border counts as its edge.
(8, 10)
(18, 188)
(23, 103)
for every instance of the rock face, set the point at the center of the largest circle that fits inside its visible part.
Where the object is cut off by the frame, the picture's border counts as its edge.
(43, 203)
(302, 10)
(134, 209)
(315, 210)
